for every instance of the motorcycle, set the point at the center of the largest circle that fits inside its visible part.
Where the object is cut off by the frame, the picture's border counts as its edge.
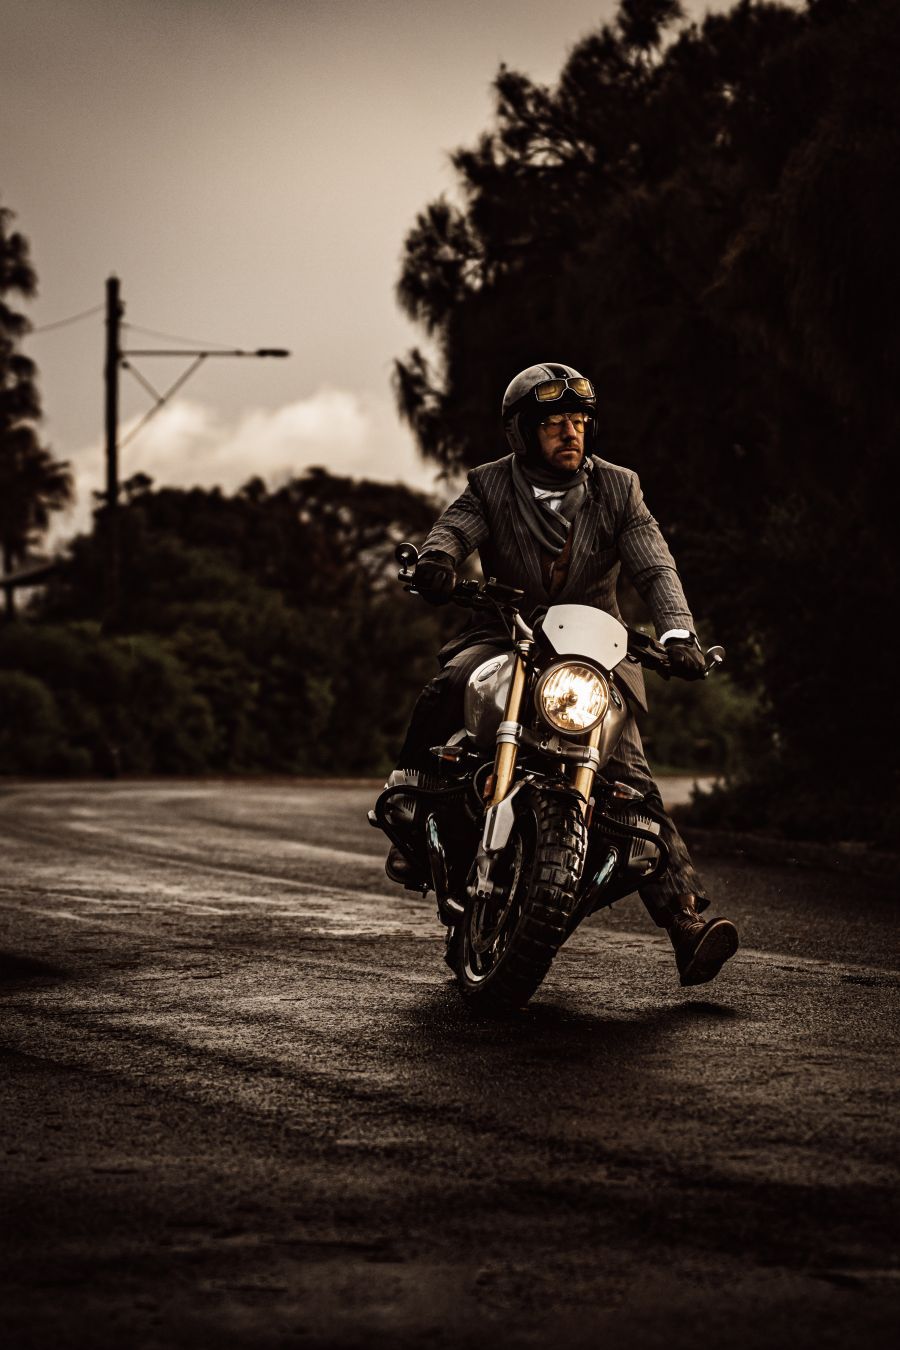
(515, 829)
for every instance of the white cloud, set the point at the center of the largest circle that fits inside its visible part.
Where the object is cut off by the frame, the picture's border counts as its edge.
(190, 444)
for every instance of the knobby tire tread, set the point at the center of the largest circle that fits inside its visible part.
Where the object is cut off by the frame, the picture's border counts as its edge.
(543, 926)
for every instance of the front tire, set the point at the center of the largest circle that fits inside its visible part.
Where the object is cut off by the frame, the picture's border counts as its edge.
(506, 944)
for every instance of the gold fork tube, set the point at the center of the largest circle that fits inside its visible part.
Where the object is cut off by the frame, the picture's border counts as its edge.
(586, 773)
(507, 751)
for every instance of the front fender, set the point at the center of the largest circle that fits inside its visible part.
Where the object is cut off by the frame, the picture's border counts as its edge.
(522, 797)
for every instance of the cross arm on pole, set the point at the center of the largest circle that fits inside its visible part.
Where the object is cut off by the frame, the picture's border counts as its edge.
(218, 351)
(161, 399)
(198, 358)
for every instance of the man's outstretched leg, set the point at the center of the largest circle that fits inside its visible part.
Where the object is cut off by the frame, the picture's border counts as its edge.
(702, 946)
(676, 900)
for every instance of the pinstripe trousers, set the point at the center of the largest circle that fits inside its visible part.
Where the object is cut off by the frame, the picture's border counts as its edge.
(438, 713)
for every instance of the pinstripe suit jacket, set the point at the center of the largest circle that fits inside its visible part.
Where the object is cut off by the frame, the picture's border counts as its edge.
(613, 529)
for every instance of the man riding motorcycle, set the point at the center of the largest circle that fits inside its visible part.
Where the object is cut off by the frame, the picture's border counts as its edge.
(558, 522)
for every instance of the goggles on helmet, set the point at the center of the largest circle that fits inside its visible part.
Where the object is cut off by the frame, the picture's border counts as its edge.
(548, 391)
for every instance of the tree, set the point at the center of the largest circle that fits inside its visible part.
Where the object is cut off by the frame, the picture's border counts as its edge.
(702, 218)
(32, 483)
(272, 618)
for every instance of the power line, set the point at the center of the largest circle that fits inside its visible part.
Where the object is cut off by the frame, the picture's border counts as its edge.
(62, 323)
(171, 337)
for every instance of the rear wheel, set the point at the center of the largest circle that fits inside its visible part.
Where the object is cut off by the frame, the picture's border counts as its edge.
(506, 944)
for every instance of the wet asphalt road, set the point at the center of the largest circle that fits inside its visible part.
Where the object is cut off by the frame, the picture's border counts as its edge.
(242, 1106)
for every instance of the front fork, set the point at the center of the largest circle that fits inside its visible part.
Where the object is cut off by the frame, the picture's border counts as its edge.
(499, 819)
(587, 769)
(510, 734)
(510, 731)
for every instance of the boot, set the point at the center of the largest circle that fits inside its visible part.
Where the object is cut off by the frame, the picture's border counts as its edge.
(701, 948)
(400, 869)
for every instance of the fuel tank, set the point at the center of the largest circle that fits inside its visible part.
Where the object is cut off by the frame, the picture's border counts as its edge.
(485, 704)
(485, 699)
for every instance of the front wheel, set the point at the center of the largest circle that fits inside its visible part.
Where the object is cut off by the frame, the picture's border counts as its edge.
(506, 944)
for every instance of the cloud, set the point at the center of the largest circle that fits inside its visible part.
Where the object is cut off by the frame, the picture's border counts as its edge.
(190, 444)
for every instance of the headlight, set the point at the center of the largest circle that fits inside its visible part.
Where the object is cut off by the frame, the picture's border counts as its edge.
(572, 698)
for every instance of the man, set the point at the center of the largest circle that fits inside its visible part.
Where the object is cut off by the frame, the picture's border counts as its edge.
(558, 524)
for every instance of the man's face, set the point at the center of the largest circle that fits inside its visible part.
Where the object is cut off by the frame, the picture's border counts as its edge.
(561, 440)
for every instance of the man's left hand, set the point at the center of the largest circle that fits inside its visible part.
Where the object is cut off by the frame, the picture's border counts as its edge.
(686, 659)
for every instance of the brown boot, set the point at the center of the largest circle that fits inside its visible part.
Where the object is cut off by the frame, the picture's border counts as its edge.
(701, 948)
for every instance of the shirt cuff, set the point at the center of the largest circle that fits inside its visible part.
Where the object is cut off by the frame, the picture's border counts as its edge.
(679, 635)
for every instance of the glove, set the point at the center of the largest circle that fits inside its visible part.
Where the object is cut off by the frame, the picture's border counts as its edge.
(434, 578)
(686, 659)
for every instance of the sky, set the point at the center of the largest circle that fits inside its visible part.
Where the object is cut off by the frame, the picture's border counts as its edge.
(249, 169)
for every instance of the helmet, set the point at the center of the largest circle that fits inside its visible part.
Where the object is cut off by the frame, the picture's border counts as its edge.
(537, 392)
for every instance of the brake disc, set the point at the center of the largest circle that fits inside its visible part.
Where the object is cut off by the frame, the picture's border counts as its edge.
(489, 916)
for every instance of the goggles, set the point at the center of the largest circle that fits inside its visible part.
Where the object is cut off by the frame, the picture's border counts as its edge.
(551, 390)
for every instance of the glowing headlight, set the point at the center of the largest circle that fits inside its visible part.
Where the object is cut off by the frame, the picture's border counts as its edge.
(572, 698)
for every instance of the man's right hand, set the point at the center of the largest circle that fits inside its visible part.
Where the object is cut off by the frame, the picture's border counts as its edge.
(434, 578)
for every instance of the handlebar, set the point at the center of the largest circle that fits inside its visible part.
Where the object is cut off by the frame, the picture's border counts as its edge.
(490, 594)
(470, 594)
(652, 655)
(407, 556)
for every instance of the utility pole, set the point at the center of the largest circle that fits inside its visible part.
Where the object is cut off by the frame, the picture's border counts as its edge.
(114, 311)
(116, 359)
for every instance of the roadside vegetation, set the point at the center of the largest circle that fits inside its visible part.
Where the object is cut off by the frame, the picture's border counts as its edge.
(253, 633)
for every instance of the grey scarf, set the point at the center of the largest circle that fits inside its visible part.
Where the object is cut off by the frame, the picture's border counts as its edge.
(549, 528)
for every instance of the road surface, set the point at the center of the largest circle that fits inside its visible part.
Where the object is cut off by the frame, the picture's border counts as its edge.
(243, 1107)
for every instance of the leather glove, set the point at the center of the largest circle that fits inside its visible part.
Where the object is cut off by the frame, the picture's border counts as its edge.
(434, 578)
(686, 659)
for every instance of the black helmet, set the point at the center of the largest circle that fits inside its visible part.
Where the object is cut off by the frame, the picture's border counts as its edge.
(537, 392)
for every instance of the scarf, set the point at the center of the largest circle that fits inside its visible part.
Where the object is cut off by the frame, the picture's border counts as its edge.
(549, 528)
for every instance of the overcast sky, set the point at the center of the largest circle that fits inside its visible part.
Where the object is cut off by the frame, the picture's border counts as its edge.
(249, 169)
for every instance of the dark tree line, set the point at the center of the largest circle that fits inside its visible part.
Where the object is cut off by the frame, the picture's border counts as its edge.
(704, 219)
(262, 631)
(255, 632)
